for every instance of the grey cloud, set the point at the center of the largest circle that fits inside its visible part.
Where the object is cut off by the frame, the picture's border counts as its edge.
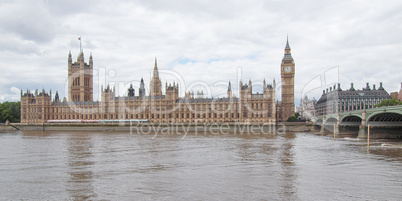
(361, 37)
(27, 19)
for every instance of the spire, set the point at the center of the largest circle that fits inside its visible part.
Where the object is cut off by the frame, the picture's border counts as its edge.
(264, 84)
(287, 43)
(230, 87)
(91, 62)
(70, 60)
(156, 65)
(287, 55)
(155, 72)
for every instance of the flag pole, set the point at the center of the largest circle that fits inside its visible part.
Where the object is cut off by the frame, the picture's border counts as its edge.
(79, 38)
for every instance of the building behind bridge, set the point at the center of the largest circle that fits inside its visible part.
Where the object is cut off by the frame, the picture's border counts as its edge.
(396, 95)
(334, 99)
(306, 109)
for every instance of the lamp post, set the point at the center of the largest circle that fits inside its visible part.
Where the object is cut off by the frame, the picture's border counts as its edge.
(364, 119)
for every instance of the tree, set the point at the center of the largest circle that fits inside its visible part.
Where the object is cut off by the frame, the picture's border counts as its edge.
(10, 111)
(292, 119)
(297, 115)
(389, 102)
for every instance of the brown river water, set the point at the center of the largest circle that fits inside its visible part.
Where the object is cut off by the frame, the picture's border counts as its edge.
(50, 165)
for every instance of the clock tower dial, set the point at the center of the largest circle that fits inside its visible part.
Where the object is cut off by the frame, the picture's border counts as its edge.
(287, 78)
(288, 69)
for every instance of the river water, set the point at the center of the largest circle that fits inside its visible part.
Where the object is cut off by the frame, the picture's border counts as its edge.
(121, 166)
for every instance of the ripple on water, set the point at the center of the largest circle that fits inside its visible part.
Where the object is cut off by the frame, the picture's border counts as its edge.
(97, 165)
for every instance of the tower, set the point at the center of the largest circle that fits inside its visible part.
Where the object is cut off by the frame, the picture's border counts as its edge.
(172, 91)
(287, 75)
(80, 79)
(156, 84)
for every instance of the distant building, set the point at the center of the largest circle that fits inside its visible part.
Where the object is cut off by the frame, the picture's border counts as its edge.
(306, 108)
(394, 95)
(334, 100)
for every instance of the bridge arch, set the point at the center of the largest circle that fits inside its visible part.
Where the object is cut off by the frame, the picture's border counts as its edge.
(331, 120)
(393, 118)
(351, 120)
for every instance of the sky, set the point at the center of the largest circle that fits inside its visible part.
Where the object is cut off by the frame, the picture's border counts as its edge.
(202, 45)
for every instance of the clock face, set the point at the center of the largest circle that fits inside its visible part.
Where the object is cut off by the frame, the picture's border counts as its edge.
(288, 69)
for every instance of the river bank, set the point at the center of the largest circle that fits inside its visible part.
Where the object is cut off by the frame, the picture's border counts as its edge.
(165, 127)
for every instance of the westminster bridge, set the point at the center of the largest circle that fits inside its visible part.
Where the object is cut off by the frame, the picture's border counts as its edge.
(384, 122)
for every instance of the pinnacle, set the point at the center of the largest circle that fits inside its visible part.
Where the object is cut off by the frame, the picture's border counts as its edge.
(287, 43)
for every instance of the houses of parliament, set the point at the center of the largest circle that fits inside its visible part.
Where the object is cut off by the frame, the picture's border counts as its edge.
(155, 107)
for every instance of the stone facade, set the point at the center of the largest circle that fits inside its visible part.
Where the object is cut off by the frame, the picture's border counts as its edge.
(249, 107)
(80, 79)
(306, 109)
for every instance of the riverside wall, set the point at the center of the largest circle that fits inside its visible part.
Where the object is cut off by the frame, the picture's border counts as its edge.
(171, 127)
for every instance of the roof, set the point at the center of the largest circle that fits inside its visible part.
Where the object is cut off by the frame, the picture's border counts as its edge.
(354, 94)
(287, 57)
(287, 44)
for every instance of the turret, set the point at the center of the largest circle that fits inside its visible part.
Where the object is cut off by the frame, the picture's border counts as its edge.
(367, 86)
(107, 93)
(91, 61)
(131, 91)
(250, 86)
(142, 88)
(200, 94)
(81, 57)
(56, 97)
(381, 88)
(189, 95)
(351, 87)
(229, 92)
(70, 59)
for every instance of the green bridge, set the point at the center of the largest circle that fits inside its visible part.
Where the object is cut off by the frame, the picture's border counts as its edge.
(384, 122)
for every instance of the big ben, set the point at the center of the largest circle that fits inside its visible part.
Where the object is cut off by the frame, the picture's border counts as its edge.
(288, 78)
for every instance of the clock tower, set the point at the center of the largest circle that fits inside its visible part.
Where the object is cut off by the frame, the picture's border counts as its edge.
(288, 78)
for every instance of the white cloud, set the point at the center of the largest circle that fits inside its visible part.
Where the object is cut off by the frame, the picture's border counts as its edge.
(13, 96)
